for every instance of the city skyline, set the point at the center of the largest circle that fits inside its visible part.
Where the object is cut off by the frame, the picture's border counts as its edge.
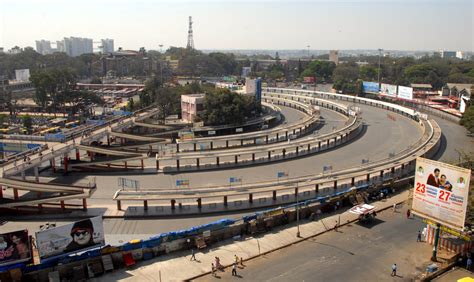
(245, 25)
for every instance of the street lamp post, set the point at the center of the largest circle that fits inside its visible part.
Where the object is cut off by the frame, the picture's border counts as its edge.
(297, 213)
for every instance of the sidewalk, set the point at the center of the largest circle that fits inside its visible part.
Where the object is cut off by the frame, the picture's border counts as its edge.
(178, 267)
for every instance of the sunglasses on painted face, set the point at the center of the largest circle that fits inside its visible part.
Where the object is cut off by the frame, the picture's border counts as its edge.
(79, 233)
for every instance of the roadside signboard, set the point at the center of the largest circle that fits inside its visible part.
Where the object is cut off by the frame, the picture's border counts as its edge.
(15, 247)
(405, 92)
(388, 89)
(370, 87)
(128, 183)
(235, 180)
(211, 132)
(281, 174)
(71, 238)
(182, 182)
(239, 130)
(441, 192)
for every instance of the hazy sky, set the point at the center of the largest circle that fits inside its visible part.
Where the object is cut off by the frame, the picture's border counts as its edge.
(401, 25)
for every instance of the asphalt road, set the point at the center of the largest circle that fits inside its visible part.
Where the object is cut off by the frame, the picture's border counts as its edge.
(355, 253)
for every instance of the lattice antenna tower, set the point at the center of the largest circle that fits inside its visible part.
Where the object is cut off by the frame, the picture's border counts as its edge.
(190, 34)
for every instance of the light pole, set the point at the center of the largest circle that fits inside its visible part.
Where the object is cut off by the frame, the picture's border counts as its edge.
(297, 212)
(378, 73)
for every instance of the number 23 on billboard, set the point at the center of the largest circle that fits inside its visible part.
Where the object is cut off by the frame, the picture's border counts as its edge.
(420, 187)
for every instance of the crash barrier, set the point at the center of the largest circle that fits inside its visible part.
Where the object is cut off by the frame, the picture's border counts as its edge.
(34, 148)
(98, 261)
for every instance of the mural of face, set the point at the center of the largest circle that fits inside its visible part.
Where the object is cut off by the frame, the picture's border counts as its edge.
(82, 236)
(3, 244)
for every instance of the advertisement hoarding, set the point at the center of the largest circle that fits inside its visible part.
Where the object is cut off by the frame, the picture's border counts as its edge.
(405, 92)
(70, 238)
(309, 79)
(370, 87)
(15, 247)
(441, 192)
(388, 89)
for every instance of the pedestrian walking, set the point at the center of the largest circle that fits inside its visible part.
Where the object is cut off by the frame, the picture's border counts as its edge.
(394, 269)
(394, 207)
(236, 259)
(193, 255)
(213, 269)
(468, 263)
(234, 269)
(241, 261)
(335, 226)
(408, 213)
(418, 238)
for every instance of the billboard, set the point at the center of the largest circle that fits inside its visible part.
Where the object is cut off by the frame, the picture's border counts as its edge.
(405, 92)
(15, 247)
(388, 89)
(73, 237)
(309, 79)
(441, 192)
(371, 87)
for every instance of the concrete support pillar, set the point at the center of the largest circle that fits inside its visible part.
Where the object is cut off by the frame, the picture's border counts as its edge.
(368, 177)
(255, 141)
(250, 198)
(227, 143)
(225, 201)
(84, 204)
(269, 155)
(15, 193)
(274, 196)
(63, 206)
(392, 170)
(177, 147)
(108, 140)
(352, 181)
(319, 146)
(157, 164)
(403, 166)
(1, 192)
(78, 155)
(212, 145)
(36, 170)
(294, 131)
(316, 188)
(119, 205)
(266, 139)
(217, 161)
(284, 152)
(199, 202)
(278, 136)
(327, 145)
(177, 164)
(253, 157)
(145, 205)
(309, 148)
(23, 176)
(197, 162)
(66, 161)
(381, 174)
(335, 184)
(194, 147)
(173, 204)
(241, 142)
(126, 165)
(286, 135)
(236, 159)
(296, 192)
(297, 150)
(40, 207)
(143, 165)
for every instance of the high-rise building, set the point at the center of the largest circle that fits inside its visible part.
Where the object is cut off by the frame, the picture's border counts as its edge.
(22, 75)
(60, 46)
(107, 45)
(246, 71)
(334, 56)
(254, 87)
(448, 54)
(76, 46)
(43, 47)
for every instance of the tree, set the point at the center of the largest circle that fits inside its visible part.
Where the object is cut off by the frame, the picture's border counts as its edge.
(28, 123)
(225, 107)
(320, 69)
(467, 119)
(96, 80)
